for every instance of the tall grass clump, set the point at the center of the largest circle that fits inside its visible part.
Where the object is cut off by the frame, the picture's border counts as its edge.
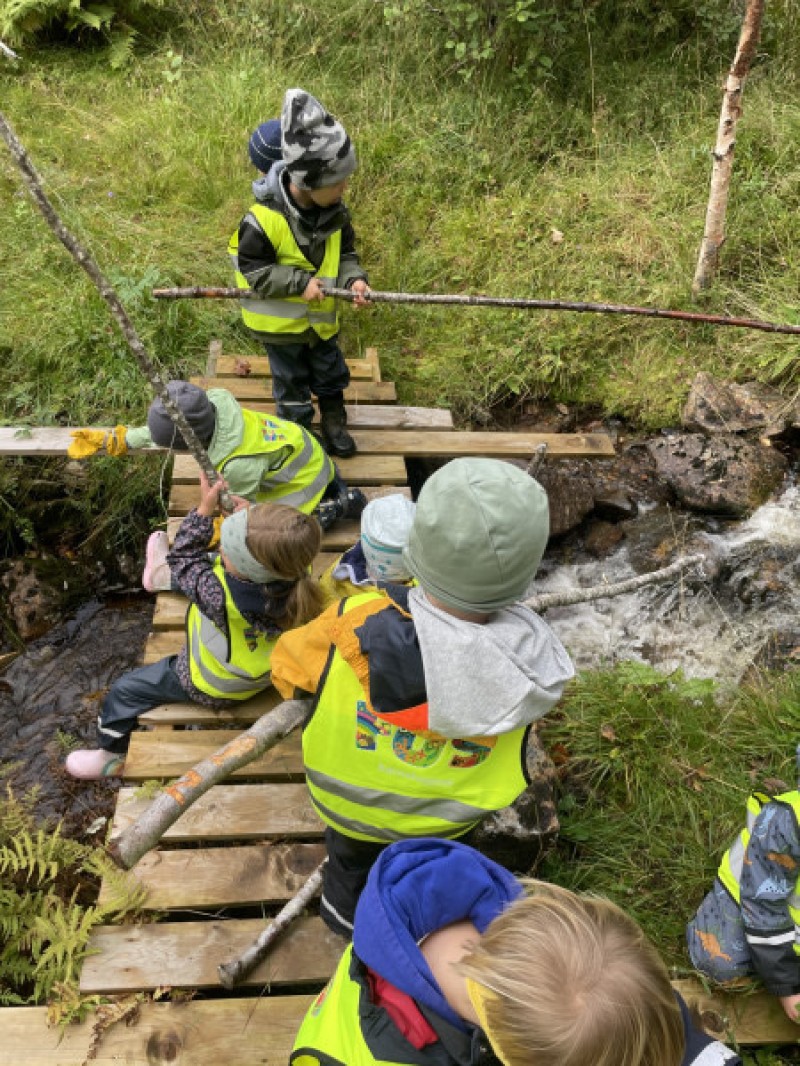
(655, 771)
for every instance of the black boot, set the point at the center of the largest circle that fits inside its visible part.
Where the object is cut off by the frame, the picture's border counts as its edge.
(333, 419)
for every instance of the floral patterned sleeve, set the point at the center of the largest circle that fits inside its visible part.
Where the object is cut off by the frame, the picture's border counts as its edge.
(193, 571)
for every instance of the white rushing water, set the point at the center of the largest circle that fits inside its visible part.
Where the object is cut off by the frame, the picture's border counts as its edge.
(712, 626)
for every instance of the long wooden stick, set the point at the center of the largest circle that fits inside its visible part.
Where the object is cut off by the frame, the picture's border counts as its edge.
(234, 972)
(107, 291)
(722, 166)
(200, 292)
(143, 834)
(600, 592)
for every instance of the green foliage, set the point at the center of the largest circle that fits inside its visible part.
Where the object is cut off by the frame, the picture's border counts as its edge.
(45, 917)
(655, 772)
(113, 21)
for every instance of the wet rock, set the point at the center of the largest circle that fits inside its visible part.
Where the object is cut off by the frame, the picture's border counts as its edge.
(780, 651)
(656, 538)
(724, 474)
(517, 836)
(615, 506)
(715, 406)
(571, 498)
(602, 537)
(33, 604)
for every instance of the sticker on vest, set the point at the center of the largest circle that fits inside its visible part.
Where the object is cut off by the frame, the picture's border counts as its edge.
(251, 638)
(368, 727)
(468, 753)
(415, 750)
(319, 1002)
(270, 432)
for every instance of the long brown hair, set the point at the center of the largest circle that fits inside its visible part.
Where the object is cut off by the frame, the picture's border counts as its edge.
(287, 541)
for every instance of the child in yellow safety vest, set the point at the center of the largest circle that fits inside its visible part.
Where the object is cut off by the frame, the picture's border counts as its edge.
(241, 601)
(263, 458)
(424, 696)
(295, 240)
(749, 923)
(453, 964)
(376, 559)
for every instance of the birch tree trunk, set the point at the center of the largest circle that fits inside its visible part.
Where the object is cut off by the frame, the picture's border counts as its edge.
(714, 234)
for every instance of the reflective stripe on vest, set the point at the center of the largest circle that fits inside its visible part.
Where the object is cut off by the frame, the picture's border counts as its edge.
(331, 1032)
(375, 781)
(730, 869)
(289, 314)
(232, 669)
(306, 472)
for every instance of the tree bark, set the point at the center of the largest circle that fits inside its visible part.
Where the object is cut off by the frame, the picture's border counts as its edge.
(234, 972)
(174, 799)
(197, 292)
(107, 291)
(714, 233)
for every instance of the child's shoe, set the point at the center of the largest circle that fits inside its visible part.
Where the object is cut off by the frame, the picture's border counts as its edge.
(92, 764)
(156, 576)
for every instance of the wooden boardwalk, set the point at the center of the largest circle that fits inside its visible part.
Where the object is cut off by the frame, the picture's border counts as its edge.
(247, 846)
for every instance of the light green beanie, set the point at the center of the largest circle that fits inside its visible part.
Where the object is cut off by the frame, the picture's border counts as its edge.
(479, 533)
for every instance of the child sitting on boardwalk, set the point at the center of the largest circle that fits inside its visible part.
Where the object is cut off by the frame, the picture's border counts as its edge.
(258, 587)
(424, 696)
(377, 557)
(749, 923)
(452, 965)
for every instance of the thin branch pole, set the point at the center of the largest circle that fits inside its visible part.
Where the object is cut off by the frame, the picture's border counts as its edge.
(600, 592)
(143, 834)
(8, 51)
(234, 972)
(199, 292)
(722, 166)
(106, 290)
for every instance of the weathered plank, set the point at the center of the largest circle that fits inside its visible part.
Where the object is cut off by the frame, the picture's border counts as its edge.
(169, 753)
(194, 714)
(222, 877)
(228, 365)
(371, 356)
(186, 955)
(378, 416)
(233, 812)
(257, 1031)
(343, 534)
(360, 470)
(451, 445)
(739, 1017)
(261, 389)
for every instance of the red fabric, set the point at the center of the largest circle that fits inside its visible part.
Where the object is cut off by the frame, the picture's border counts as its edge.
(403, 1011)
(413, 718)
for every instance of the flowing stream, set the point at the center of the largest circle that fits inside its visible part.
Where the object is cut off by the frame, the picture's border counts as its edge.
(741, 608)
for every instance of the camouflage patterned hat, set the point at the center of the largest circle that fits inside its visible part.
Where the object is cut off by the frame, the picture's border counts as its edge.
(316, 148)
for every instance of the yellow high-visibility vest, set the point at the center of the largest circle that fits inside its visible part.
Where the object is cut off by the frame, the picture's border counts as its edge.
(374, 781)
(290, 314)
(232, 666)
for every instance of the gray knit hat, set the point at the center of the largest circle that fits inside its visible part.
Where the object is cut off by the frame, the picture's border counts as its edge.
(479, 533)
(199, 411)
(315, 147)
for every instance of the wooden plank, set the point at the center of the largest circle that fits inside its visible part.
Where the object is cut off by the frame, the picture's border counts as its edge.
(169, 753)
(371, 356)
(377, 416)
(257, 1031)
(343, 534)
(233, 812)
(362, 369)
(132, 958)
(194, 713)
(261, 389)
(221, 877)
(364, 470)
(437, 445)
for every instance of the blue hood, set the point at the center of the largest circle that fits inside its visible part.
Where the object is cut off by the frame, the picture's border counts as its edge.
(414, 888)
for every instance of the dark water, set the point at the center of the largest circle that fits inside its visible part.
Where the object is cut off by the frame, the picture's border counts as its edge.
(49, 698)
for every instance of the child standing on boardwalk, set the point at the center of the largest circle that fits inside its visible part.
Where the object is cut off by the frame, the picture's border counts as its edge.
(453, 965)
(749, 923)
(258, 587)
(423, 697)
(296, 239)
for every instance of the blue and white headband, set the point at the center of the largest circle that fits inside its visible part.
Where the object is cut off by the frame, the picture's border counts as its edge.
(233, 541)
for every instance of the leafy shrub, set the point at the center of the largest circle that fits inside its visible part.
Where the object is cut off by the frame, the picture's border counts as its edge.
(46, 881)
(114, 20)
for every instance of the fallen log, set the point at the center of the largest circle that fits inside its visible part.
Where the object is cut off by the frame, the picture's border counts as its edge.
(233, 972)
(143, 834)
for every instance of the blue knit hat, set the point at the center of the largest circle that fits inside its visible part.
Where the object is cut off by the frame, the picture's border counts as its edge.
(265, 145)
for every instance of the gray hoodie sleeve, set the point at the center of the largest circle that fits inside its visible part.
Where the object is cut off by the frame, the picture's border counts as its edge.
(769, 878)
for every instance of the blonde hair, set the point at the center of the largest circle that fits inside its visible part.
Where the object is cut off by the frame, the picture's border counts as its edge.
(574, 981)
(287, 541)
